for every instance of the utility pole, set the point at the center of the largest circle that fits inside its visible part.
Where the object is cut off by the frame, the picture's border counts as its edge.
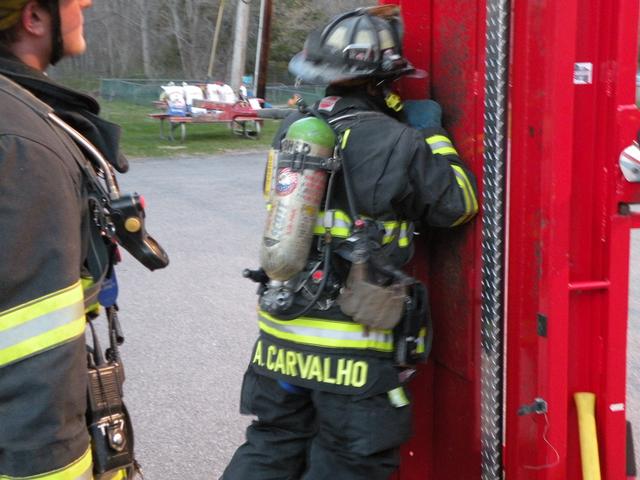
(216, 35)
(240, 43)
(262, 50)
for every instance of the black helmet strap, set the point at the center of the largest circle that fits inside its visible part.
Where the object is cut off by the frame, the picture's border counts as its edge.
(57, 46)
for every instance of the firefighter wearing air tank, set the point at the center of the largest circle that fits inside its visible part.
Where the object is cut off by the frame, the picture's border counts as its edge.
(60, 417)
(347, 183)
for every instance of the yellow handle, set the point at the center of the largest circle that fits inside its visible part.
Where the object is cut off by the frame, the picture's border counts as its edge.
(586, 403)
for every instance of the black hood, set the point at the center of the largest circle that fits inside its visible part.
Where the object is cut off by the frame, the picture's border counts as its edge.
(77, 109)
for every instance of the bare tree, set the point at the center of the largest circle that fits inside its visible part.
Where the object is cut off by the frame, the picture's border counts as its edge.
(172, 38)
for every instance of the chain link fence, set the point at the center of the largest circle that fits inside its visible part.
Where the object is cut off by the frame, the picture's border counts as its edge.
(145, 91)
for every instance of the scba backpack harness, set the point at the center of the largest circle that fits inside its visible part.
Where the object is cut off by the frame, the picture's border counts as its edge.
(375, 293)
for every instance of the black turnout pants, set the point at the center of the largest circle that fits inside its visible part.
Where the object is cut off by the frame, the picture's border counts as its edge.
(315, 435)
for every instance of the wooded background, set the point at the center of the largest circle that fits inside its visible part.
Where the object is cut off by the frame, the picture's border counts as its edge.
(173, 38)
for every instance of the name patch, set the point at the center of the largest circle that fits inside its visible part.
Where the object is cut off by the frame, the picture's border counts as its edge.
(327, 370)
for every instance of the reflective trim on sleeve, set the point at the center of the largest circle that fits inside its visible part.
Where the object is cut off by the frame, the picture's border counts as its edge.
(338, 223)
(403, 239)
(420, 347)
(441, 145)
(470, 201)
(80, 469)
(345, 138)
(340, 226)
(398, 397)
(41, 324)
(321, 332)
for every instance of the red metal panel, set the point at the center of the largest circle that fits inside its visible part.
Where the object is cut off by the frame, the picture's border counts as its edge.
(567, 258)
(564, 179)
(457, 83)
(417, 454)
(446, 38)
(538, 237)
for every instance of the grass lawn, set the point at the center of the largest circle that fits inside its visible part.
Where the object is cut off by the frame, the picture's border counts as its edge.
(141, 134)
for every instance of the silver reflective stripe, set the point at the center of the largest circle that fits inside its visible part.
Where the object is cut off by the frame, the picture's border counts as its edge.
(389, 229)
(460, 175)
(41, 324)
(326, 219)
(373, 336)
(327, 333)
(336, 221)
(436, 145)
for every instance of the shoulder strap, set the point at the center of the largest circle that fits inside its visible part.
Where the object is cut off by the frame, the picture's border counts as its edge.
(338, 126)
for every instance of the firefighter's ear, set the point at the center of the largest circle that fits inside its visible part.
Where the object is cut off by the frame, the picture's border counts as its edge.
(36, 20)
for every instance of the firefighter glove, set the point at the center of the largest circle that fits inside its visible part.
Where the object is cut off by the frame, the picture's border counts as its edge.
(423, 114)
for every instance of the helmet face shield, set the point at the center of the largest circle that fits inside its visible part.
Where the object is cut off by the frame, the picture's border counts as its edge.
(366, 42)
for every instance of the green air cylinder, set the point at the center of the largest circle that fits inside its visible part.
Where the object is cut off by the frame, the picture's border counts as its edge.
(298, 188)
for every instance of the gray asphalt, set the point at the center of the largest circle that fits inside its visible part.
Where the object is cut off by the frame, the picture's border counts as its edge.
(190, 327)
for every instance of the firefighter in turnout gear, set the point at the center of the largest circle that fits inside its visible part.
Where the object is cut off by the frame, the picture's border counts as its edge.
(55, 259)
(340, 330)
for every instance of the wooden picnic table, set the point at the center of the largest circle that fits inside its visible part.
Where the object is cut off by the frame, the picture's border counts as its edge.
(239, 116)
(248, 127)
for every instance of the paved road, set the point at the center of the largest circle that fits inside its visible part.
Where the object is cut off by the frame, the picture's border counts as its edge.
(189, 328)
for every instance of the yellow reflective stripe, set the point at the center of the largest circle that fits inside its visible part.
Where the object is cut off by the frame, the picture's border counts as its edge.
(398, 397)
(80, 469)
(445, 151)
(345, 137)
(43, 341)
(326, 333)
(41, 324)
(90, 294)
(338, 223)
(326, 342)
(394, 102)
(268, 174)
(467, 202)
(471, 203)
(41, 306)
(420, 340)
(325, 323)
(403, 241)
(390, 227)
(441, 145)
(472, 194)
(119, 475)
(433, 139)
(335, 231)
(390, 233)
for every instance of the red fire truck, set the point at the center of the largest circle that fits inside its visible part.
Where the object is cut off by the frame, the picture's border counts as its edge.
(530, 301)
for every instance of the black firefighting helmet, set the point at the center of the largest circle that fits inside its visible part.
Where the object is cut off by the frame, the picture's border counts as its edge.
(363, 43)
(10, 11)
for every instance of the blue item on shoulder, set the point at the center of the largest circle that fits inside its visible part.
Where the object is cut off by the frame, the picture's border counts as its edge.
(422, 114)
(109, 291)
(292, 388)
